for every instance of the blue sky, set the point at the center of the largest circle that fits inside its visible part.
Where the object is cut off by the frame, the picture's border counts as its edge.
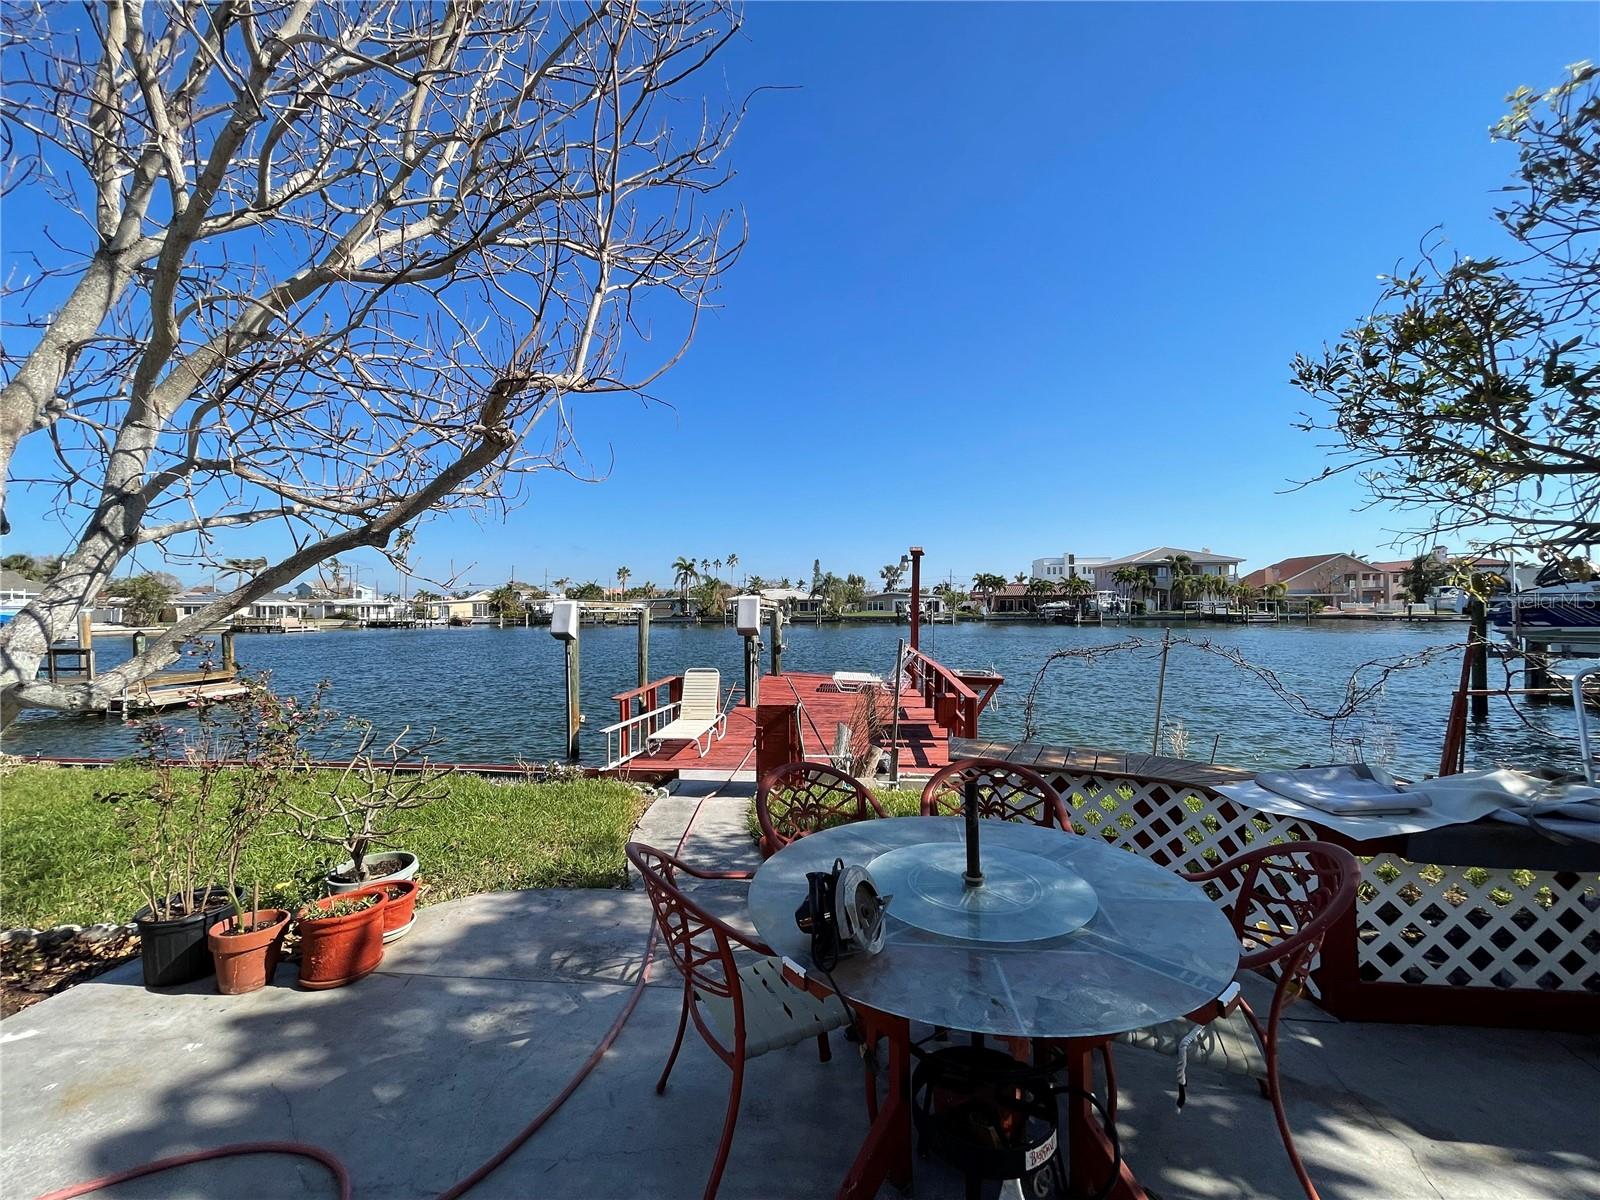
(1026, 279)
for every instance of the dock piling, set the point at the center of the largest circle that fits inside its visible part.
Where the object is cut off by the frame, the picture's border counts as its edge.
(574, 713)
(644, 644)
(777, 641)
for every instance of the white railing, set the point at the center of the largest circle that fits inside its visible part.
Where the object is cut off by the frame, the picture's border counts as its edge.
(630, 737)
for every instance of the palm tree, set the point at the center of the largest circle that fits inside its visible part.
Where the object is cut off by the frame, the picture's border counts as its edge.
(755, 583)
(1275, 592)
(684, 572)
(732, 561)
(986, 584)
(561, 584)
(622, 579)
(1180, 568)
(1077, 589)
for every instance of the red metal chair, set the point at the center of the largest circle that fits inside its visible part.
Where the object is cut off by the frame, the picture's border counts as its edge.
(1281, 901)
(1007, 791)
(741, 1012)
(802, 797)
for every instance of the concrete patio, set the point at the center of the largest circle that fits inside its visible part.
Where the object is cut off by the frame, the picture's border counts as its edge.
(420, 1072)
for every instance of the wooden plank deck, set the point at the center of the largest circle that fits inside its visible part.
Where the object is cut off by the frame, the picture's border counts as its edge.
(1107, 762)
(924, 743)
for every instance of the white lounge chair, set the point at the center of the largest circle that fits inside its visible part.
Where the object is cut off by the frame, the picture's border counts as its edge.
(700, 719)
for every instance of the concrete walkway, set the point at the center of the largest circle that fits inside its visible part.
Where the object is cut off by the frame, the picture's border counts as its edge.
(420, 1072)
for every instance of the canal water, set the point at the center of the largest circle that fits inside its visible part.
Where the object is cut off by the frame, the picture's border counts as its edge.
(495, 695)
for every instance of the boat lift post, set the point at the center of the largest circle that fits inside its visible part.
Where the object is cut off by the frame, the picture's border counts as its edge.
(776, 621)
(747, 620)
(564, 627)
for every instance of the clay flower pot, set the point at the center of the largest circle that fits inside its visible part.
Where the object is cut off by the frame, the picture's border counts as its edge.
(338, 950)
(246, 961)
(401, 911)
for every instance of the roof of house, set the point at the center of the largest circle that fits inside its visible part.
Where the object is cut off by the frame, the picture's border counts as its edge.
(785, 593)
(1290, 569)
(1159, 554)
(12, 581)
(1399, 564)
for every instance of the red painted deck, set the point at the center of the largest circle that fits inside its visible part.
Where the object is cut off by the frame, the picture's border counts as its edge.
(924, 743)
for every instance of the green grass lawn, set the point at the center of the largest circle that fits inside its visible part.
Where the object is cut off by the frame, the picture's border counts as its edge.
(62, 857)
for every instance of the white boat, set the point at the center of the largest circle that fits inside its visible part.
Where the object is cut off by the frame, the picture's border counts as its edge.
(1556, 609)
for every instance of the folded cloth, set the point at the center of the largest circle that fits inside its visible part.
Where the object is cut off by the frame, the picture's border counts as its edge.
(1347, 790)
(1515, 792)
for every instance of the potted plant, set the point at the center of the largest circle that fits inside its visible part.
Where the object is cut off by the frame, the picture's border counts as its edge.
(246, 948)
(341, 938)
(401, 911)
(187, 828)
(356, 812)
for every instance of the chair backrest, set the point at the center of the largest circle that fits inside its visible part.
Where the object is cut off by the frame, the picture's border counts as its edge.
(702, 691)
(1281, 900)
(695, 941)
(802, 797)
(1007, 791)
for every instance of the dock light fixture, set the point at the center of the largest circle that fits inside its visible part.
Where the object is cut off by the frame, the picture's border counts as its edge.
(564, 620)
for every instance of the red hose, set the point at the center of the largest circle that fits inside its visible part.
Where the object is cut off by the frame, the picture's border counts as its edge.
(298, 1149)
(456, 1190)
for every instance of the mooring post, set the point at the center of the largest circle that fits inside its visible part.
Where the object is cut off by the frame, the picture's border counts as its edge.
(1478, 648)
(1536, 672)
(86, 643)
(644, 643)
(777, 641)
(229, 663)
(574, 712)
(752, 670)
(1161, 687)
(138, 642)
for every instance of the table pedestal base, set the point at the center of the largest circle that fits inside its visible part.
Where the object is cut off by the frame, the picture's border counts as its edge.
(1089, 1152)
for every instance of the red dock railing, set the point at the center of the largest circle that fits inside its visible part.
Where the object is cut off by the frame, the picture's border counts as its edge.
(955, 704)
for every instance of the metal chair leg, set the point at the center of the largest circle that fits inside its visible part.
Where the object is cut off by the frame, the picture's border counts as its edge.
(727, 1131)
(824, 1050)
(677, 1043)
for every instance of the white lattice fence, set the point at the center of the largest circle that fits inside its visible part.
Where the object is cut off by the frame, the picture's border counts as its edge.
(1416, 924)
(1473, 927)
(1179, 826)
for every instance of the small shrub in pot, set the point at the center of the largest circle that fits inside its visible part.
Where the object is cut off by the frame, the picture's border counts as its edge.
(357, 811)
(341, 938)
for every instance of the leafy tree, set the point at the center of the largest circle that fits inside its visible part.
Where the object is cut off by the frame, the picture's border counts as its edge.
(987, 584)
(29, 567)
(506, 602)
(587, 591)
(422, 603)
(1424, 574)
(1469, 393)
(816, 577)
(143, 596)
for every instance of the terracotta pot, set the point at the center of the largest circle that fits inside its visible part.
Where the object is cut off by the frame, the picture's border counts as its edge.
(335, 951)
(401, 910)
(246, 961)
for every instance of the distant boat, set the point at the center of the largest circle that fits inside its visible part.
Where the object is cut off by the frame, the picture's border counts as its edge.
(1555, 609)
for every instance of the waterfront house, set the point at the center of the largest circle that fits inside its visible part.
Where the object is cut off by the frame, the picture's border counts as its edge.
(1337, 580)
(900, 602)
(1068, 566)
(463, 610)
(15, 592)
(1014, 600)
(1157, 563)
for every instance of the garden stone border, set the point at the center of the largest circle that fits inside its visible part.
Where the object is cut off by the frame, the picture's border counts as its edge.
(62, 935)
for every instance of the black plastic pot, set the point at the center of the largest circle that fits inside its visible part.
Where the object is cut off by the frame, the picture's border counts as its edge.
(175, 952)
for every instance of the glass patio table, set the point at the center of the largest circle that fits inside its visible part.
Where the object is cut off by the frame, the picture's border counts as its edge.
(1069, 939)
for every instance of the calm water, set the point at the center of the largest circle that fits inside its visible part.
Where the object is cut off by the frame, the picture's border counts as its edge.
(496, 695)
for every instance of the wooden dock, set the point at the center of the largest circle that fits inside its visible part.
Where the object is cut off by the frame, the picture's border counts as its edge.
(152, 695)
(923, 743)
